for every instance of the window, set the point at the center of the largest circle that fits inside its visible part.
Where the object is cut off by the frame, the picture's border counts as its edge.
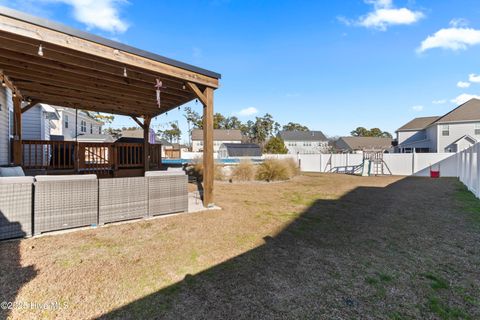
(83, 126)
(477, 128)
(445, 130)
(91, 128)
(66, 121)
(99, 130)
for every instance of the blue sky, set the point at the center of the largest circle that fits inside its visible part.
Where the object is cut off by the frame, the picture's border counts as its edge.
(330, 65)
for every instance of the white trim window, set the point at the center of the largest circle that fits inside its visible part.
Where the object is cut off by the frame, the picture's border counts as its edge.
(83, 126)
(477, 129)
(91, 128)
(445, 130)
(66, 121)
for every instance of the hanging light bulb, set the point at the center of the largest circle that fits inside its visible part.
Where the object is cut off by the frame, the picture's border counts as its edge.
(40, 50)
(4, 84)
(125, 72)
(184, 87)
(14, 94)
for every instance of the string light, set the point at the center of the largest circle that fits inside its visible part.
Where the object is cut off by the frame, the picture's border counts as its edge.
(125, 72)
(40, 50)
(14, 94)
(4, 84)
(184, 87)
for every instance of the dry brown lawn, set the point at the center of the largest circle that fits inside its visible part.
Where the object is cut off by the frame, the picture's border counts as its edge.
(316, 247)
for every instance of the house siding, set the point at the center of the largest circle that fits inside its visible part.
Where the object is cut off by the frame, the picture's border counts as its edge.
(197, 145)
(457, 131)
(31, 124)
(69, 133)
(4, 127)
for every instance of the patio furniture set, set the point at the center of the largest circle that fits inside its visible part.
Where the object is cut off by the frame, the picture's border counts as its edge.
(34, 205)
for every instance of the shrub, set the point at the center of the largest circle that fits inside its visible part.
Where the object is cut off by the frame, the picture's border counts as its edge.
(273, 169)
(275, 145)
(196, 170)
(292, 167)
(244, 171)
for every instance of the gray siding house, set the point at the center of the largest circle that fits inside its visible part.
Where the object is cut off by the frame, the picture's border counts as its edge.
(37, 122)
(220, 136)
(6, 123)
(304, 142)
(452, 132)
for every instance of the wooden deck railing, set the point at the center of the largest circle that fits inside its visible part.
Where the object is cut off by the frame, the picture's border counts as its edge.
(99, 158)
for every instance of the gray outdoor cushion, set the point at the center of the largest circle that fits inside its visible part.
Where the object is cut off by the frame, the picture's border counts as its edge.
(164, 173)
(66, 177)
(11, 172)
(15, 180)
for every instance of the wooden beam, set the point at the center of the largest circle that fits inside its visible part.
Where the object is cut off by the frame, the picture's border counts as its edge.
(208, 162)
(138, 122)
(200, 95)
(6, 82)
(30, 105)
(17, 131)
(146, 143)
(47, 36)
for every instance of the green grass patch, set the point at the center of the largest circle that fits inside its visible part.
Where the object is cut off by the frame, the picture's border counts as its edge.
(445, 312)
(470, 203)
(437, 283)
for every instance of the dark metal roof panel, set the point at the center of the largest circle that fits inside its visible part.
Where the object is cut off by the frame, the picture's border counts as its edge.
(11, 13)
(242, 149)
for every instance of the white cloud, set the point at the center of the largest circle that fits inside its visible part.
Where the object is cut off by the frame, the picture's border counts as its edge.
(464, 97)
(417, 108)
(451, 38)
(463, 84)
(441, 101)
(474, 78)
(385, 15)
(100, 14)
(247, 112)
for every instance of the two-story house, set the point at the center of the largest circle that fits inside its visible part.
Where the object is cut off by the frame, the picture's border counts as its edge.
(304, 142)
(220, 136)
(361, 144)
(452, 132)
(71, 124)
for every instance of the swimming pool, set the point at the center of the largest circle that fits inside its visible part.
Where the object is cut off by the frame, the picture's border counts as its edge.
(223, 161)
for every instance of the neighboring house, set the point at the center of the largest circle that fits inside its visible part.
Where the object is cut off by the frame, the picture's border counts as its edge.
(239, 150)
(361, 144)
(304, 142)
(220, 136)
(138, 133)
(452, 132)
(96, 138)
(65, 126)
(37, 122)
(6, 125)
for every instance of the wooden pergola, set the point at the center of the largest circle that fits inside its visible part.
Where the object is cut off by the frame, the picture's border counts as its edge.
(44, 62)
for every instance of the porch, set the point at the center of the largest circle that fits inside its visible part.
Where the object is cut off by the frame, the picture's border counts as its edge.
(45, 62)
(106, 160)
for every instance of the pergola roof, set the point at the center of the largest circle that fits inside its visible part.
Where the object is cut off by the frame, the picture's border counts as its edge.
(81, 70)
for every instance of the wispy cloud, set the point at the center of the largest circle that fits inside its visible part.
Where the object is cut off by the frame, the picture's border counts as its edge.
(95, 14)
(464, 97)
(440, 101)
(457, 37)
(417, 108)
(247, 112)
(474, 78)
(384, 15)
(463, 84)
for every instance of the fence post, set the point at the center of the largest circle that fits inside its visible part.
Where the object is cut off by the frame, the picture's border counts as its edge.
(477, 171)
(413, 163)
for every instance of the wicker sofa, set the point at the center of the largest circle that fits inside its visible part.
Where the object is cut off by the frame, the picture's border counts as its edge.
(63, 202)
(15, 207)
(122, 199)
(167, 192)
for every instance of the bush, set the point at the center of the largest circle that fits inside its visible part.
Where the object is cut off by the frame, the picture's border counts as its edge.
(273, 169)
(196, 170)
(292, 167)
(244, 171)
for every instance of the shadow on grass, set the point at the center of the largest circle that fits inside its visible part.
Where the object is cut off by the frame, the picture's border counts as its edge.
(13, 276)
(339, 258)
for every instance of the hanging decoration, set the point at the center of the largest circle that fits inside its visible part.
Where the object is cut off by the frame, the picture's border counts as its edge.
(158, 87)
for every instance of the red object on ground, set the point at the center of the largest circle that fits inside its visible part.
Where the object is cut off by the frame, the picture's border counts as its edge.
(434, 174)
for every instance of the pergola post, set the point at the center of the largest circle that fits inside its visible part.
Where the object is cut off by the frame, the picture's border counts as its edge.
(17, 130)
(146, 142)
(208, 162)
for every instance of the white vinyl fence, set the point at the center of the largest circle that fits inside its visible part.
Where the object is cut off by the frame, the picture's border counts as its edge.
(468, 168)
